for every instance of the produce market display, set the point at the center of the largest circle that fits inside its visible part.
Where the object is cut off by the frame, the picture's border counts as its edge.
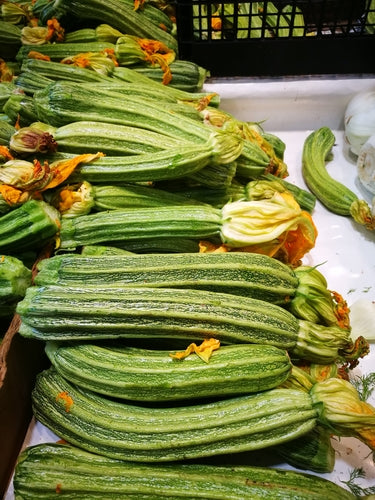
(156, 247)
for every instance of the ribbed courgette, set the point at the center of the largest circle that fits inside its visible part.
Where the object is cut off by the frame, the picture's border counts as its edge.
(61, 103)
(15, 277)
(28, 227)
(244, 274)
(46, 470)
(334, 195)
(152, 434)
(140, 374)
(303, 290)
(53, 312)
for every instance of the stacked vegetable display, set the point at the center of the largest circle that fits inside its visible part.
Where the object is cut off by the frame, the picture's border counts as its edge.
(178, 319)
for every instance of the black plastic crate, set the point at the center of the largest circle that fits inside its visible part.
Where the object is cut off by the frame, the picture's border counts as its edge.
(279, 38)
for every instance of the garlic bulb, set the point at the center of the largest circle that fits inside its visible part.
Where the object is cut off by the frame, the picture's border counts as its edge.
(359, 120)
(366, 164)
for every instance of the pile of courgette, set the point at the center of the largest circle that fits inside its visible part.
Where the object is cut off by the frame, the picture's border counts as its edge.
(169, 347)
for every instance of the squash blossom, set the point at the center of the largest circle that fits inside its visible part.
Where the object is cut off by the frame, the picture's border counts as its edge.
(33, 139)
(20, 179)
(131, 50)
(269, 226)
(40, 35)
(102, 62)
(73, 200)
(344, 411)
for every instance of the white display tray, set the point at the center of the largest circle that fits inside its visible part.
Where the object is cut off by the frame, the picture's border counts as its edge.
(291, 109)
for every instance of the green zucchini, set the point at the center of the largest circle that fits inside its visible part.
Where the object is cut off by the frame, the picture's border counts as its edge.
(132, 195)
(336, 197)
(53, 312)
(142, 155)
(58, 51)
(140, 374)
(313, 451)
(130, 75)
(10, 37)
(61, 103)
(113, 140)
(6, 132)
(159, 245)
(28, 227)
(6, 90)
(58, 71)
(45, 470)
(158, 434)
(30, 81)
(186, 75)
(15, 278)
(146, 22)
(302, 290)
(244, 274)
(20, 109)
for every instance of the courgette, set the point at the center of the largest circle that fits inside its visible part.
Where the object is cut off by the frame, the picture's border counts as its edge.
(336, 197)
(154, 433)
(243, 274)
(45, 470)
(58, 51)
(140, 374)
(302, 290)
(159, 434)
(28, 227)
(15, 278)
(119, 14)
(61, 103)
(53, 312)
(141, 155)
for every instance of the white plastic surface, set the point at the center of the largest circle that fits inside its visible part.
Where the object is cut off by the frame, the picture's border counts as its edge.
(291, 109)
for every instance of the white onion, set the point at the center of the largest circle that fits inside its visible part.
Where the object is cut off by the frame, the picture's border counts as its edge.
(362, 319)
(366, 164)
(359, 120)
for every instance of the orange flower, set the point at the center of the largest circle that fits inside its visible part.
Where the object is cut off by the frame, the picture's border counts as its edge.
(33, 54)
(55, 31)
(68, 400)
(204, 350)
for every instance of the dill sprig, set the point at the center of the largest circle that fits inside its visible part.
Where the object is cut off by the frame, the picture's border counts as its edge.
(354, 487)
(365, 385)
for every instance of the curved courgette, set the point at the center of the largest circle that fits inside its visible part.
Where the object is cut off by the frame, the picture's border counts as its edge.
(331, 193)
(139, 374)
(152, 434)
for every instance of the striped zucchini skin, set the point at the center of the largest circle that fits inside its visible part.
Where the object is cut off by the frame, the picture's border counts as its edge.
(141, 374)
(93, 136)
(334, 195)
(179, 221)
(28, 227)
(130, 75)
(246, 274)
(161, 434)
(120, 14)
(55, 312)
(57, 71)
(62, 102)
(41, 468)
(145, 167)
(186, 75)
(58, 51)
